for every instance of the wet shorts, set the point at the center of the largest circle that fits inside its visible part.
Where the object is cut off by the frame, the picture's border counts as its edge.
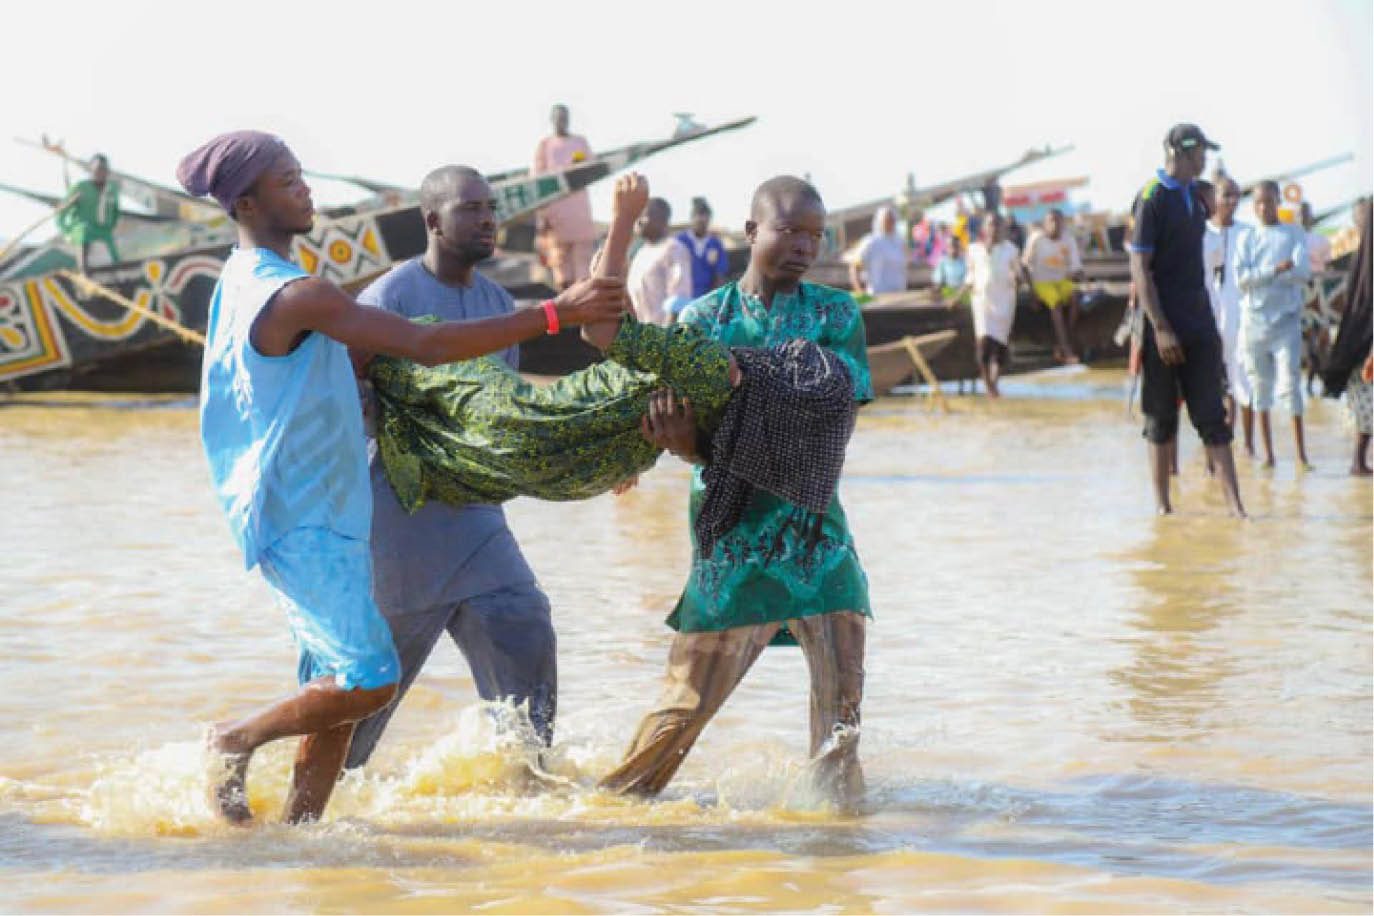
(1054, 293)
(1200, 379)
(323, 581)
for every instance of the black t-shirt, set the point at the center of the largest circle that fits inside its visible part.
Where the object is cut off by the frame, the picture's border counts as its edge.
(1170, 220)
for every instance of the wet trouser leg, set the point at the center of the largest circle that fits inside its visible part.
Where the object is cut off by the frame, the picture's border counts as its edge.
(507, 637)
(508, 640)
(703, 670)
(834, 648)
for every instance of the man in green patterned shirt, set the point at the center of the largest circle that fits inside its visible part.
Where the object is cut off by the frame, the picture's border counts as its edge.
(92, 212)
(764, 581)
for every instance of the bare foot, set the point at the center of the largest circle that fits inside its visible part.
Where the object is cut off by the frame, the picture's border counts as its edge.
(226, 771)
(1358, 471)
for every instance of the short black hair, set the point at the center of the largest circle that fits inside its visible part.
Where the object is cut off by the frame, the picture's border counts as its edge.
(1268, 184)
(699, 205)
(660, 202)
(778, 188)
(100, 158)
(442, 184)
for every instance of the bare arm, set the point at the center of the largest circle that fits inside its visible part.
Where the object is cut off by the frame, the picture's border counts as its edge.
(1148, 296)
(856, 278)
(313, 304)
(629, 200)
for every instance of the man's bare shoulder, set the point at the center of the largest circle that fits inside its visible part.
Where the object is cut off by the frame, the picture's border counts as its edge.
(310, 294)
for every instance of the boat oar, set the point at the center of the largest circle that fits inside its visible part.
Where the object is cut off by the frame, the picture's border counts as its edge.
(89, 286)
(14, 242)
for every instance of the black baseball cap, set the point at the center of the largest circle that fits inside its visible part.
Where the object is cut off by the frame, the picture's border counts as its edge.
(1187, 136)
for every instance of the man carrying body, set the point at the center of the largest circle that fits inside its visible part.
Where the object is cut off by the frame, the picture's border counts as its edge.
(281, 427)
(660, 274)
(709, 260)
(1219, 248)
(566, 226)
(451, 569)
(1052, 258)
(91, 212)
(1181, 349)
(769, 573)
(1272, 268)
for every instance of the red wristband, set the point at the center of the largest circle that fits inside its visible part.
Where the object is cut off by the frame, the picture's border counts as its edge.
(550, 316)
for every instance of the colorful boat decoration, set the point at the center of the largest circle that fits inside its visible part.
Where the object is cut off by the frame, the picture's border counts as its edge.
(48, 329)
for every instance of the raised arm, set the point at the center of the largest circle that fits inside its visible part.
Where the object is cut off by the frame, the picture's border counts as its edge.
(313, 304)
(628, 201)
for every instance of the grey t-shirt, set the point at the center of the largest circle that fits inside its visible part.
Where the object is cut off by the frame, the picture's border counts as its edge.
(441, 554)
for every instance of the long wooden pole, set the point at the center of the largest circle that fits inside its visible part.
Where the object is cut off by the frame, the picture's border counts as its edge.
(14, 242)
(87, 285)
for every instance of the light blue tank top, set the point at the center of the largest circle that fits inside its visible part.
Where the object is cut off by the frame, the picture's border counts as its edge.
(284, 434)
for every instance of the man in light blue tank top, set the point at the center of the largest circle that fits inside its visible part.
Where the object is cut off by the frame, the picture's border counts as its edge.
(446, 568)
(282, 430)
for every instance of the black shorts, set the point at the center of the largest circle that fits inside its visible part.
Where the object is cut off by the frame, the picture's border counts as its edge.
(1200, 380)
(989, 350)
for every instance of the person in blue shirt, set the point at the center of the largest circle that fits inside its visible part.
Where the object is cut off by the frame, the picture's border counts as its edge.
(283, 432)
(1272, 268)
(948, 277)
(709, 261)
(1181, 349)
(457, 569)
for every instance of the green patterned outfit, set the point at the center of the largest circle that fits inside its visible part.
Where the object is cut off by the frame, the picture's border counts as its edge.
(93, 216)
(476, 432)
(735, 585)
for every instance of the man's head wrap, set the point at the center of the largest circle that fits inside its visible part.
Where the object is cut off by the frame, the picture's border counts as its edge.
(226, 167)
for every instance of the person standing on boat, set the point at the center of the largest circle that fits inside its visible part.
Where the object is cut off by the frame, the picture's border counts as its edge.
(282, 429)
(566, 226)
(1272, 268)
(91, 212)
(709, 260)
(991, 281)
(780, 572)
(660, 276)
(1055, 267)
(1180, 348)
(446, 569)
(878, 265)
(1219, 247)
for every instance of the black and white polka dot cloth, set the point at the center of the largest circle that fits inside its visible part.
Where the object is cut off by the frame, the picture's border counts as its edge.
(785, 431)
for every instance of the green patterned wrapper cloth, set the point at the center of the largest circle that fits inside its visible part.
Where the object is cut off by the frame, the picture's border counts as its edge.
(476, 432)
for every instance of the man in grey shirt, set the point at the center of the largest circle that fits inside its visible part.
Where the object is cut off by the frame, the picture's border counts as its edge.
(450, 569)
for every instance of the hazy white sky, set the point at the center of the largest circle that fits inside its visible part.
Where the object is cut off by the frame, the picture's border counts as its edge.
(855, 93)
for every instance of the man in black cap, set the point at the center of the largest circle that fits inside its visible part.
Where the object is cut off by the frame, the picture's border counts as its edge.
(1181, 349)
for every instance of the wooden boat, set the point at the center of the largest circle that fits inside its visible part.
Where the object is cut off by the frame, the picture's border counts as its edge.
(50, 337)
(905, 360)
